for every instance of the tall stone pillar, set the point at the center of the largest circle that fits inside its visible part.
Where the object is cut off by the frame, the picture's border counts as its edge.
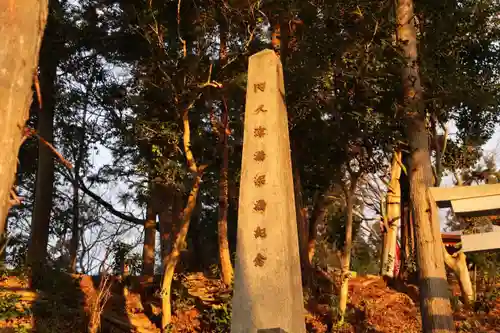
(268, 286)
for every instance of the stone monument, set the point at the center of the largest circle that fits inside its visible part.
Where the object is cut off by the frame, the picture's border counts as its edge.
(268, 287)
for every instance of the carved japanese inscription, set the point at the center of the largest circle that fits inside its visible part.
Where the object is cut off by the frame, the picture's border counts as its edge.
(259, 86)
(259, 156)
(260, 206)
(259, 180)
(259, 260)
(260, 232)
(260, 109)
(259, 132)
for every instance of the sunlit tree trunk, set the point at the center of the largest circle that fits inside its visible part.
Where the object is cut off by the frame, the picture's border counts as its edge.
(224, 253)
(458, 265)
(302, 220)
(148, 250)
(393, 202)
(318, 215)
(22, 24)
(408, 258)
(434, 294)
(166, 211)
(180, 238)
(37, 248)
(301, 213)
(346, 254)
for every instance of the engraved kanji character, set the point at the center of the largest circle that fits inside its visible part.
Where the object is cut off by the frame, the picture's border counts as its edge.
(259, 260)
(259, 132)
(260, 109)
(260, 205)
(259, 86)
(259, 156)
(260, 232)
(259, 180)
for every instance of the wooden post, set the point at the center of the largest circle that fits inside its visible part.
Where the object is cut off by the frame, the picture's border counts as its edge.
(268, 286)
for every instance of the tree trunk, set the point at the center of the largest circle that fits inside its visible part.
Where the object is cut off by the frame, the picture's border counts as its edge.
(406, 225)
(393, 210)
(302, 219)
(173, 257)
(346, 254)
(148, 250)
(408, 262)
(22, 24)
(75, 228)
(37, 249)
(317, 216)
(166, 222)
(224, 253)
(458, 264)
(195, 258)
(180, 239)
(434, 294)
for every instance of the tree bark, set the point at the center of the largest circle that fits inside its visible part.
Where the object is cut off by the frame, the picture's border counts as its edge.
(224, 253)
(407, 229)
(37, 249)
(393, 210)
(166, 212)
(458, 264)
(346, 254)
(317, 216)
(302, 220)
(75, 228)
(148, 250)
(174, 255)
(434, 294)
(22, 25)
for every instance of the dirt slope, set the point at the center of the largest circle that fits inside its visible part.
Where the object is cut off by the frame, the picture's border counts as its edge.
(66, 304)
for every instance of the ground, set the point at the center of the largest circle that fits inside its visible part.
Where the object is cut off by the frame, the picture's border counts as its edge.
(200, 305)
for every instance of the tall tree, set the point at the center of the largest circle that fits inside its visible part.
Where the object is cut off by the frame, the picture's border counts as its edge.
(22, 23)
(350, 192)
(148, 251)
(434, 294)
(37, 250)
(224, 254)
(393, 211)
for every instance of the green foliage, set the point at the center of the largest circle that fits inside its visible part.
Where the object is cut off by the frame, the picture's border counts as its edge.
(455, 302)
(21, 329)
(487, 301)
(218, 317)
(122, 252)
(181, 299)
(10, 307)
(20, 272)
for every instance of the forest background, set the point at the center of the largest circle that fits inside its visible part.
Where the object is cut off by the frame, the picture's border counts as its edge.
(134, 98)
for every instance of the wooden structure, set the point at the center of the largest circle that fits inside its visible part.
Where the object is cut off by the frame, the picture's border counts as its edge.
(480, 200)
(471, 201)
